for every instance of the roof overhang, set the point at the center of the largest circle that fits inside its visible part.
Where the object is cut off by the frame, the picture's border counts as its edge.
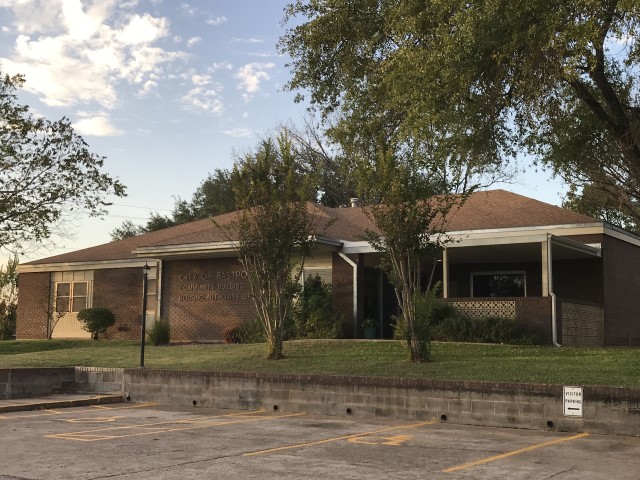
(209, 249)
(94, 265)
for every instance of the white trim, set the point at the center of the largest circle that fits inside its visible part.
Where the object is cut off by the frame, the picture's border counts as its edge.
(96, 265)
(187, 249)
(620, 234)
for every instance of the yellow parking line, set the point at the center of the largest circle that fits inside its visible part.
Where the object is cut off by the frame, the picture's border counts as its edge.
(156, 428)
(515, 452)
(335, 439)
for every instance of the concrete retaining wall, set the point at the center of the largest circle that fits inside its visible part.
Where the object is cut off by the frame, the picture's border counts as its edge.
(33, 382)
(607, 410)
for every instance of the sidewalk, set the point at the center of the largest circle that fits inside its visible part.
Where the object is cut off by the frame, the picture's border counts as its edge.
(61, 400)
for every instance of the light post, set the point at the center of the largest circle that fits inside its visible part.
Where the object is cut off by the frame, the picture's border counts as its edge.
(145, 271)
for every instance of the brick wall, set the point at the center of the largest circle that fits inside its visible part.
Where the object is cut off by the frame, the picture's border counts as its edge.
(621, 268)
(533, 314)
(201, 298)
(33, 297)
(582, 325)
(120, 290)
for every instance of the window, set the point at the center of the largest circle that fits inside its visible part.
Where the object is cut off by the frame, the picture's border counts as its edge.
(71, 296)
(152, 295)
(498, 284)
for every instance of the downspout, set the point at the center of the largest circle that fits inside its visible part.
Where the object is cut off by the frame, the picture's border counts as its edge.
(355, 292)
(554, 319)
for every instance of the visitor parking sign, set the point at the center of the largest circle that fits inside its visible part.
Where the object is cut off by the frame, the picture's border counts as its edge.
(572, 401)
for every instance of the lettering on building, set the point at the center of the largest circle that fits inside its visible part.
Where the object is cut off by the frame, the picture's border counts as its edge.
(219, 286)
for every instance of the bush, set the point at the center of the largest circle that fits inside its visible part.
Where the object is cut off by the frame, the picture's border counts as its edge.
(159, 333)
(252, 332)
(423, 304)
(231, 335)
(313, 315)
(8, 316)
(96, 320)
(481, 330)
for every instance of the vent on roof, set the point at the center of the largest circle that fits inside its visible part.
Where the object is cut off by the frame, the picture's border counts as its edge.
(355, 202)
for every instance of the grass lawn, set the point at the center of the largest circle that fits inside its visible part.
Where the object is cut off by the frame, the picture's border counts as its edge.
(579, 366)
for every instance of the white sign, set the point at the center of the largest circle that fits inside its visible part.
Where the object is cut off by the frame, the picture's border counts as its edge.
(572, 401)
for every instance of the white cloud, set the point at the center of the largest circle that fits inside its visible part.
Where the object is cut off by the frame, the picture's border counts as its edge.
(193, 41)
(74, 52)
(246, 40)
(204, 96)
(220, 66)
(188, 10)
(216, 21)
(251, 75)
(238, 132)
(98, 125)
(143, 29)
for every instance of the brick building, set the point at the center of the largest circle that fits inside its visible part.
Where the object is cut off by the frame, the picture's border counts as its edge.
(566, 278)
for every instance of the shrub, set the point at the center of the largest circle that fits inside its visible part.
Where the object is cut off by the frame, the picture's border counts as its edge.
(313, 315)
(481, 330)
(423, 304)
(252, 332)
(96, 320)
(232, 335)
(8, 315)
(159, 333)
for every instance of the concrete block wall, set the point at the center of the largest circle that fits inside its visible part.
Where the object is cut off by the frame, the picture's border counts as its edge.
(99, 380)
(607, 410)
(33, 382)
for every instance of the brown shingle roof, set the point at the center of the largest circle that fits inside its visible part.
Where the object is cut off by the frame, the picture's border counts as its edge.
(483, 210)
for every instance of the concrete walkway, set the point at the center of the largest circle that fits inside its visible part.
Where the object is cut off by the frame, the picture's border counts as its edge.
(61, 400)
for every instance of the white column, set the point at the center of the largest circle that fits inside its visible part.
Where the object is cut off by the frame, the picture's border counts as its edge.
(445, 273)
(545, 268)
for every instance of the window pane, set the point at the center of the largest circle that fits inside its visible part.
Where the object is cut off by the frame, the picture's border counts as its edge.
(79, 303)
(62, 304)
(80, 289)
(63, 289)
(498, 285)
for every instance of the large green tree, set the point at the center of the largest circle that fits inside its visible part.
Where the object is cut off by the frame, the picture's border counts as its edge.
(484, 80)
(47, 173)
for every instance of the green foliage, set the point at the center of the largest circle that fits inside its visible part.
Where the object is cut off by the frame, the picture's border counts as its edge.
(274, 226)
(479, 82)
(160, 332)
(480, 330)
(313, 315)
(417, 337)
(8, 299)
(410, 221)
(96, 320)
(251, 332)
(8, 317)
(46, 172)
(598, 204)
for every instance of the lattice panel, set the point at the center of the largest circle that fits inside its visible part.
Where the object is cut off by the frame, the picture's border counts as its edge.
(487, 308)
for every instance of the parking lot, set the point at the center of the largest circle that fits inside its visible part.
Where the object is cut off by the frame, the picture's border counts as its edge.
(139, 441)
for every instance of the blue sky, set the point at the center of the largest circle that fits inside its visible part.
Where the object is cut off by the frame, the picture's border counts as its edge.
(166, 90)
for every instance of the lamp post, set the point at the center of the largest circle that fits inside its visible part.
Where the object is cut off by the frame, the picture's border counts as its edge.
(145, 271)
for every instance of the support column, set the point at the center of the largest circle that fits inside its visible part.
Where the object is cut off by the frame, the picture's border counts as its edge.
(546, 274)
(445, 273)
